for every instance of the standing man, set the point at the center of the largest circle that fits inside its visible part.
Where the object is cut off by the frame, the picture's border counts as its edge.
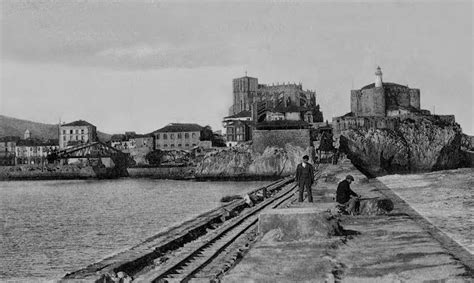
(304, 178)
(346, 196)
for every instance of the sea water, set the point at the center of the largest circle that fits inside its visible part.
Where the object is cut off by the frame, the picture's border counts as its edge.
(50, 228)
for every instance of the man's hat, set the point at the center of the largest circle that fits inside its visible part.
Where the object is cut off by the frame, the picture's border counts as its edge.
(349, 177)
(306, 157)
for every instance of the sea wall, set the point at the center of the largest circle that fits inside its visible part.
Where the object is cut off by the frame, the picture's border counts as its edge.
(161, 172)
(38, 172)
(263, 139)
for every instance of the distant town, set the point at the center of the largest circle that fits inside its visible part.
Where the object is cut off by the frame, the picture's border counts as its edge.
(259, 113)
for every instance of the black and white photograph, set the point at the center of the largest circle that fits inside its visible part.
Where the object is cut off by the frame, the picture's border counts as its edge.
(236, 141)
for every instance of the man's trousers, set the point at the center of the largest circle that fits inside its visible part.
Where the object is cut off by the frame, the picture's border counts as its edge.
(305, 186)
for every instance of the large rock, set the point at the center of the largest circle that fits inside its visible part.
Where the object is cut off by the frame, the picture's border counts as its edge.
(418, 145)
(242, 161)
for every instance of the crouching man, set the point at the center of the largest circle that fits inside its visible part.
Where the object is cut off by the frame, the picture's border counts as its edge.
(347, 197)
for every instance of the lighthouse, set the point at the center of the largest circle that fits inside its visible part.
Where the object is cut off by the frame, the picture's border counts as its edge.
(378, 77)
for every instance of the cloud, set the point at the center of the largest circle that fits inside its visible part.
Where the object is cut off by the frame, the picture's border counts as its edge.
(146, 55)
(137, 52)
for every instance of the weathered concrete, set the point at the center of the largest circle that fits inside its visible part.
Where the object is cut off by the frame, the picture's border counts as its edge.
(298, 223)
(384, 248)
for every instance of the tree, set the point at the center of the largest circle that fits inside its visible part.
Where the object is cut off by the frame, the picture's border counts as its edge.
(154, 157)
(207, 134)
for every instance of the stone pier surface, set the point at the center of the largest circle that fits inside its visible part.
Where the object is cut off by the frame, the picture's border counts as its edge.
(397, 247)
(297, 224)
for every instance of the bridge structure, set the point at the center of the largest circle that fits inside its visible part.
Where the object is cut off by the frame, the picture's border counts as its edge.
(94, 151)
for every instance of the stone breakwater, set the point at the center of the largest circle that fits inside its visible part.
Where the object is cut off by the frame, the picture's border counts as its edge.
(37, 172)
(243, 162)
(400, 246)
(420, 145)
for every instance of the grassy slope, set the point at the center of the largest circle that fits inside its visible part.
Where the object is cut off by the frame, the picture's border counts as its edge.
(16, 127)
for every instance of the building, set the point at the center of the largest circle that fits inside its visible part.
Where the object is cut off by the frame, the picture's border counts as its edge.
(247, 91)
(27, 134)
(272, 105)
(33, 151)
(77, 132)
(7, 150)
(382, 105)
(138, 146)
(384, 99)
(179, 136)
(238, 128)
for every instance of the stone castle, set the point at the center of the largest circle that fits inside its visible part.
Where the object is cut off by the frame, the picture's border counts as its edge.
(384, 99)
(382, 105)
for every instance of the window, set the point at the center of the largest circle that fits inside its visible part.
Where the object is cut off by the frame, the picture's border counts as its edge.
(171, 136)
(179, 136)
(82, 137)
(165, 145)
(193, 135)
(82, 131)
(64, 132)
(157, 136)
(70, 132)
(165, 136)
(64, 138)
(187, 145)
(77, 138)
(194, 144)
(186, 135)
(179, 144)
(172, 145)
(77, 131)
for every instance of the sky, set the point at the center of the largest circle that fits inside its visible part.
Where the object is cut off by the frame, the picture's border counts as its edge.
(139, 65)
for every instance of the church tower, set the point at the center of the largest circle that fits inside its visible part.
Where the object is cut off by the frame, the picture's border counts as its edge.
(27, 134)
(378, 77)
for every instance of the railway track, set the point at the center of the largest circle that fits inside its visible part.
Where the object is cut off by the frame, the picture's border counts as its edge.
(207, 256)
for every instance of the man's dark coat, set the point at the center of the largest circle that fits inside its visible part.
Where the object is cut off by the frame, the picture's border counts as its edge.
(304, 175)
(344, 192)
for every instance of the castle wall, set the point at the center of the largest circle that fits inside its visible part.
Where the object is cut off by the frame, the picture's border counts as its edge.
(397, 96)
(340, 124)
(371, 102)
(415, 98)
(355, 98)
(279, 138)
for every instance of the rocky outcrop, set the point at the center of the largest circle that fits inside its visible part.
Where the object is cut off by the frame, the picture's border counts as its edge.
(242, 161)
(418, 145)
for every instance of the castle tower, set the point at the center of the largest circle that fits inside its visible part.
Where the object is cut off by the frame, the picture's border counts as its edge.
(27, 134)
(378, 77)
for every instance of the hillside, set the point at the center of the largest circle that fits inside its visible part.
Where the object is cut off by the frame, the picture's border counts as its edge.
(16, 127)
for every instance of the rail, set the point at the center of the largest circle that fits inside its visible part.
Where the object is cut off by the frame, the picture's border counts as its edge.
(166, 244)
(192, 258)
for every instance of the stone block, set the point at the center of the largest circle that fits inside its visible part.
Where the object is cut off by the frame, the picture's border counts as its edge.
(298, 224)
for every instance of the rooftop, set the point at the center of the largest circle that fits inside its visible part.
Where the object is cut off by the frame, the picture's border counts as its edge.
(291, 108)
(127, 136)
(242, 114)
(180, 127)
(78, 123)
(37, 142)
(9, 139)
(384, 84)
